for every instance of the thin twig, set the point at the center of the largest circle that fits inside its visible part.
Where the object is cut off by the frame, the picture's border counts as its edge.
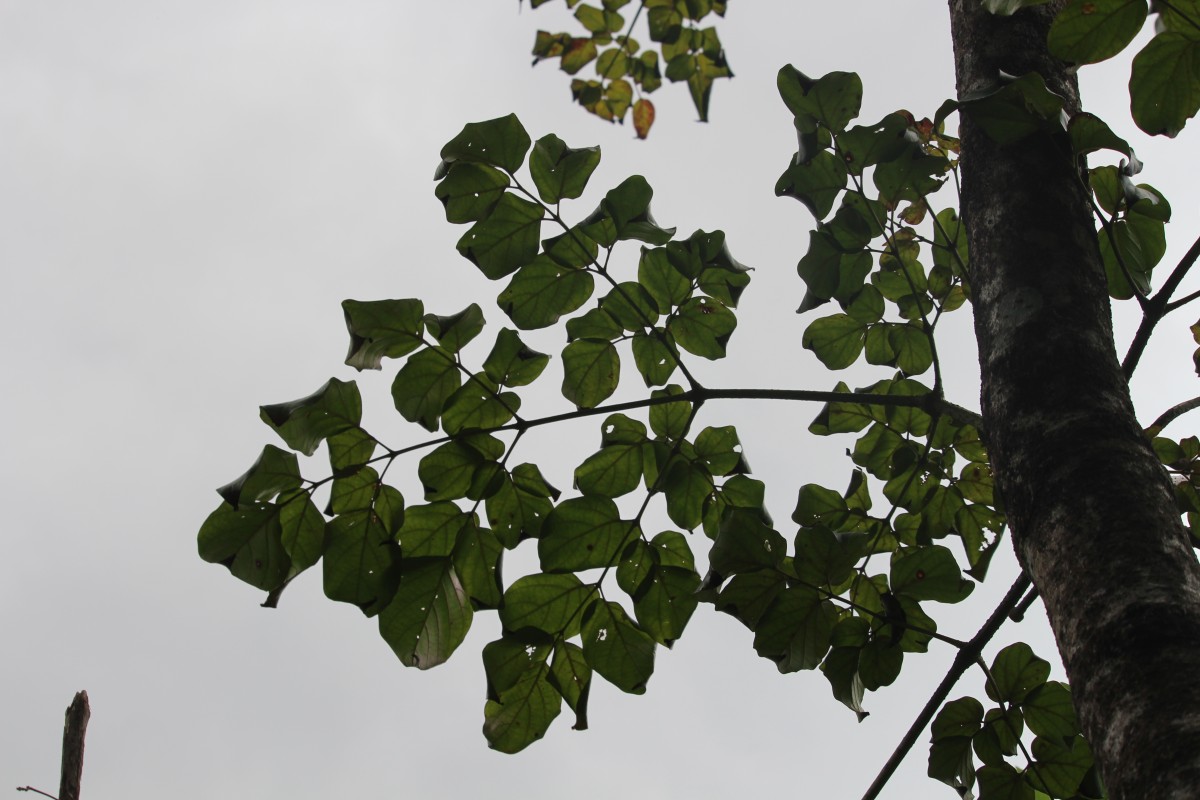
(965, 658)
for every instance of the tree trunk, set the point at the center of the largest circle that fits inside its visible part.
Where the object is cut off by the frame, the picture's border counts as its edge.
(1091, 509)
(74, 731)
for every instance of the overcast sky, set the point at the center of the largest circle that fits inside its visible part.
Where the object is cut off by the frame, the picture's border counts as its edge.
(187, 192)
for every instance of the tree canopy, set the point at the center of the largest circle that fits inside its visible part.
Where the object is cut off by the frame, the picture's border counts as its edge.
(664, 514)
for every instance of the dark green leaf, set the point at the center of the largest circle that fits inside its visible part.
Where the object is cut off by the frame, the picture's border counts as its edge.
(1050, 712)
(591, 370)
(382, 329)
(305, 423)
(551, 604)
(523, 712)
(665, 602)
(424, 384)
(571, 675)
(429, 615)
(745, 543)
(500, 142)
(702, 326)
(656, 361)
(445, 473)
(794, 632)
(833, 100)
(560, 172)
(1015, 672)
(470, 191)
(816, 183)
(454, 331)
(247, 540)
(613, 471)
(836, 340)
(274, 471)
(1090, 31)
(617, 648)
(506, 239)
(583, 533)
(928, 573)
(479, 404)
(542, 292)
(359, 554)
(511, 363)
(431, 530)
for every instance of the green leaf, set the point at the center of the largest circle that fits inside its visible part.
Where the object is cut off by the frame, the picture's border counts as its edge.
(836, 340)
(594, 324)
(560, 172)
(518, 508)
(664, 283)
(816, 183)
(431, 530)
(748, 595)
(275, 471)
(1059, 767)
(359, 555)
(302, 530)
(506, 239)
(1016, 671)
(1090, 31)
(469, 191)
(571, 675)
(542, 292)
(424, 384)
(613, 471)
(794, 632)
(1164, 86)
(591, 370)
(1003, 782)
(687, 485)
(477, 555)
(523, 712)
(745, 543)
(573, 249)
(631, 306)
(500, 142)
(429, 615)
(382, 329)
(247, 540)
(833, 100)
(720, 450)
(453, 332)
(616, 647)
(479, 405)
(702, 326)
(445, 473)
(928, 573)
(655, 359)
(670, 420)
(583, 533)
(350, 449)
(1016, 109)
(551, 604)
(1050, 712)
(305, 423)
(866, 145)
(950, 757)
(665, 602)
(511, 363)
(1089, 133)
(628, 207)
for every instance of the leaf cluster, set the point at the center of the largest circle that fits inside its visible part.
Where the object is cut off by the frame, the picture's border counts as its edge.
(686, 53)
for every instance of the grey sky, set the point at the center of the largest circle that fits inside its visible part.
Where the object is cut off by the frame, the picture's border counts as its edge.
(187, 191)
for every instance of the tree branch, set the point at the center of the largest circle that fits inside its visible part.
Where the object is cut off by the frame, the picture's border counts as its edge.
(965, 658)
(1158, 307)
(1173, 413)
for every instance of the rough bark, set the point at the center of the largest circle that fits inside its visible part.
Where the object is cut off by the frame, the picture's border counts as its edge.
(1091, 509)
(74, 731)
